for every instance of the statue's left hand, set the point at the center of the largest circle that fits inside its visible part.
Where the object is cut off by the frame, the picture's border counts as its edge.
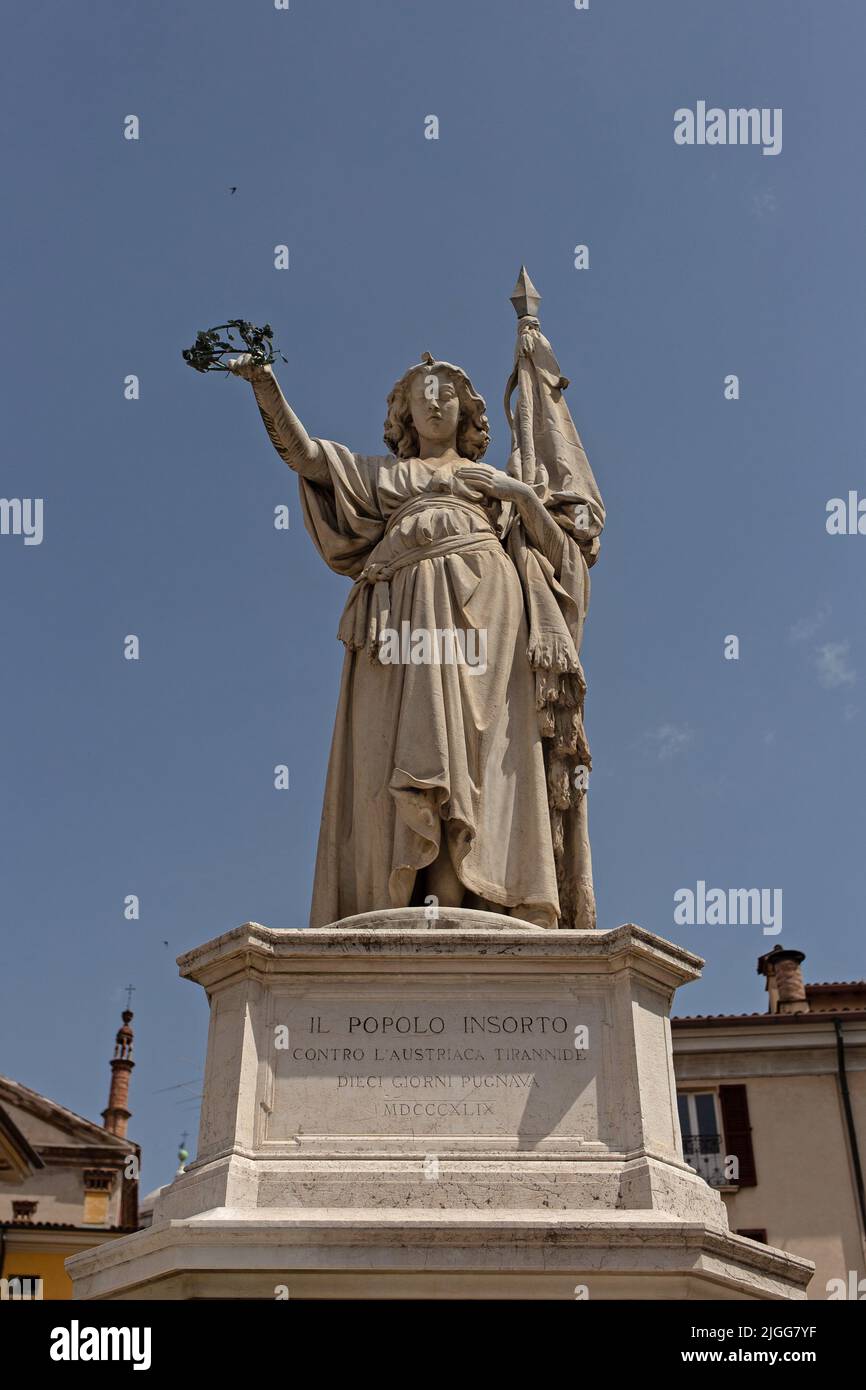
(491, 482)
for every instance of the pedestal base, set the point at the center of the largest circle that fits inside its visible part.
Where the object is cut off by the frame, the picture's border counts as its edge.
(430, 1254)
(464, 1108)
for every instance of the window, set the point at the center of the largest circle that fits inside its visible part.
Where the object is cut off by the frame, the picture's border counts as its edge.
(717, 1133)
(702, 1135)
(98, 1183)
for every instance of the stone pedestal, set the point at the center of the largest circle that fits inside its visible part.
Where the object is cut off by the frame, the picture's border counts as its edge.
(469, 1107)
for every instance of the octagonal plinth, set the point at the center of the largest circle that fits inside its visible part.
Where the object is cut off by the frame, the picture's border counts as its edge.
(471, 1106)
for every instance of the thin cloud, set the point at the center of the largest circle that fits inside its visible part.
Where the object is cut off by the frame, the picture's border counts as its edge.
(764, 204)
(805, 628)
(833, 667)
(669, 739)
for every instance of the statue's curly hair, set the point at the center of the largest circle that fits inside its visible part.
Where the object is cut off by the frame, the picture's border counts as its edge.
(473, 429)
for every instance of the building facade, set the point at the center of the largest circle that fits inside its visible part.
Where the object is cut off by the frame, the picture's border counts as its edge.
(66, 1183)
(773, 1114)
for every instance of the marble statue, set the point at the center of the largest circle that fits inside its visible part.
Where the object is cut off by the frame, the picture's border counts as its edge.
(459, 762)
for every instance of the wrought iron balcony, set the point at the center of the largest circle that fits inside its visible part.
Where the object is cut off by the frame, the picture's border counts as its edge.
(704, 1153)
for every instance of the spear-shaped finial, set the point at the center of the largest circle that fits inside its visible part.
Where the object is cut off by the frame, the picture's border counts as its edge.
(525, 296)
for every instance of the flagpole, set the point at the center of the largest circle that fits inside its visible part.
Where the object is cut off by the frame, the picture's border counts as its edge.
(526, 299)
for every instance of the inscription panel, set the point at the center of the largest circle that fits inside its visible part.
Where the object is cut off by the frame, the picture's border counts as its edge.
(458, 1063)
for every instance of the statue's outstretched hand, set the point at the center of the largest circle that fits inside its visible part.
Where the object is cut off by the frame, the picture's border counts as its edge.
(244, 366)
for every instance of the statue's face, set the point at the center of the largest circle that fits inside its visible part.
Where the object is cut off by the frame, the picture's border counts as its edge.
(435, 406)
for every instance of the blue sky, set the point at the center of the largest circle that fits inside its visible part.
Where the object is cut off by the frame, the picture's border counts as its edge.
(556, 128)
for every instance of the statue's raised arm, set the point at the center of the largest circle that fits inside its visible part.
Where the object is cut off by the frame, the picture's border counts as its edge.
(285, 430)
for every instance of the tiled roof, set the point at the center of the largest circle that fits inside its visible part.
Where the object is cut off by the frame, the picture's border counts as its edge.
(21, 1225)
(821, 1015)
(85, 1132)
(19, 1141)
(837, 984)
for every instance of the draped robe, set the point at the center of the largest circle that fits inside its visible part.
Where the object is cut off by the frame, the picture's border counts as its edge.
(432, 748)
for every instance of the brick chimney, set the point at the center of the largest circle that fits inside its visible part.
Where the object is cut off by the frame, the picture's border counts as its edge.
(781, 970)
(115, 1117)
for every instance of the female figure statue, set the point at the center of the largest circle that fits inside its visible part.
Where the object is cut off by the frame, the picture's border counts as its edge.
(459, 730)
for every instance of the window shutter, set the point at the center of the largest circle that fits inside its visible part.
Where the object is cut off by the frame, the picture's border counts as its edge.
(738, 1132)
